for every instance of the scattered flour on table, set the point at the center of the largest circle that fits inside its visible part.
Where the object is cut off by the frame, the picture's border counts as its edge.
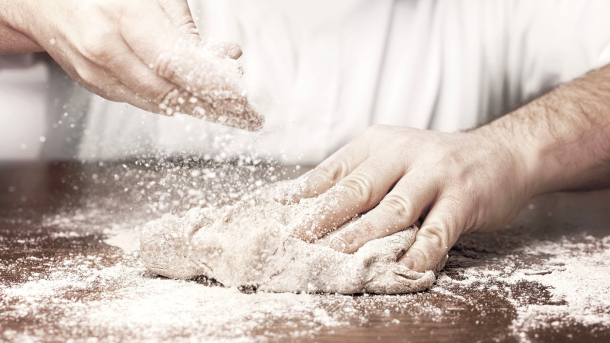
(579, 279)
(93, 294)
(575, 273)
(145, 307)
(83, 294)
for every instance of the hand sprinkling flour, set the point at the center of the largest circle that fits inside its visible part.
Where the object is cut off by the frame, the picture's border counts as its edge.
(147, 53)
(252, 243)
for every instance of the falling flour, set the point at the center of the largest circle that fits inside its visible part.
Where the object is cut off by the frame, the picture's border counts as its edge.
(213, 93)
(251, 243)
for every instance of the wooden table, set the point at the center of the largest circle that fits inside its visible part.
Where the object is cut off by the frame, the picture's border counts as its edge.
(32, 194)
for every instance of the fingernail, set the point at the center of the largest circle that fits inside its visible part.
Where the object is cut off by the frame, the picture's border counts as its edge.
(234, 52)
(408, 262)
(338, 244)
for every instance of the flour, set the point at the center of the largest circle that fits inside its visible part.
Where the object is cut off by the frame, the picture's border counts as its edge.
(572, 265)
(214, 93)
(542, 280)
(251, 243)
(68, 304)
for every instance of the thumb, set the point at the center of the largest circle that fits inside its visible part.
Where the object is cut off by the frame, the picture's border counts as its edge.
(438, 233)
(180, 15)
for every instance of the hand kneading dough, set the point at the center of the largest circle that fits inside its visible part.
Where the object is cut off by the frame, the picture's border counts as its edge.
(251, 244)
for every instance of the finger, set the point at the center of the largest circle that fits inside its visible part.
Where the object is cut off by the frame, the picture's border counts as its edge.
(155, 94)
(147, 90)
(214, 80)
(180, 15)
(99, 81)
(114, 90)
(228, 49)
(330, 171)
(440, 230)
(163, 47)
(389, 248)
(398, 210)
(358, 192)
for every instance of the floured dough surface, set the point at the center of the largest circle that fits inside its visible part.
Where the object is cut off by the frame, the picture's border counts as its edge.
(251, 244)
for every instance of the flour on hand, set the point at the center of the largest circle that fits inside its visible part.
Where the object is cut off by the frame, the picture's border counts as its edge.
(251, 243)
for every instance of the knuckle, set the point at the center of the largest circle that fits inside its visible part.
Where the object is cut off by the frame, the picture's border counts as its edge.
(167, 96)
(361, 187)
(435, 236)
(97, 45)
(99, 8)
(95, 51)
(333, 171)
(455, 163)
(408, 141)
(86, 76)
(104, 5)
(164, 66)
(378, 128)
(171, 100)
(363, 230)
(308, 236)
(398, 205)
(464, 205)
(188, 27)
(336, 170)
(374, 130)
(452, 198)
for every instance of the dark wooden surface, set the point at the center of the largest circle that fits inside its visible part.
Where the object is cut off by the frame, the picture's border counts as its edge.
(31, 191)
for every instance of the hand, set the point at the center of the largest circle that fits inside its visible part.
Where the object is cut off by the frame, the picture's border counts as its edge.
(143, 52)
(460, 182)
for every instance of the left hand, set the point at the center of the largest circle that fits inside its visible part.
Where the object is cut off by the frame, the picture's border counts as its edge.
(143, 52)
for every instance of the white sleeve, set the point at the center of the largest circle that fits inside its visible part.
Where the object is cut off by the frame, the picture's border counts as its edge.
(604, 57)
(555, 42)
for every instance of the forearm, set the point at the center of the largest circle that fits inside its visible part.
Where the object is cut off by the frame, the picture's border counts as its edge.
(563, 137)
(13, 34)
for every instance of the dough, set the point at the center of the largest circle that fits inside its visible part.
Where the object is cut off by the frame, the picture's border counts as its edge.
(251, 244)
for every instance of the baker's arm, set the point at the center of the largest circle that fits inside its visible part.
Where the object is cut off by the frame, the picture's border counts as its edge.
(563, 136)
(143, 52)
(12, 41)
(462, 182)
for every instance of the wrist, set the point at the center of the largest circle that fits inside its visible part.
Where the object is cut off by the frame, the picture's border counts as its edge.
(509, 138)
(13, 15)
(15, 34)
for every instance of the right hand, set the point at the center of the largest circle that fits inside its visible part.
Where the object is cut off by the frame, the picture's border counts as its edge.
(476, 181)
(143, 52)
